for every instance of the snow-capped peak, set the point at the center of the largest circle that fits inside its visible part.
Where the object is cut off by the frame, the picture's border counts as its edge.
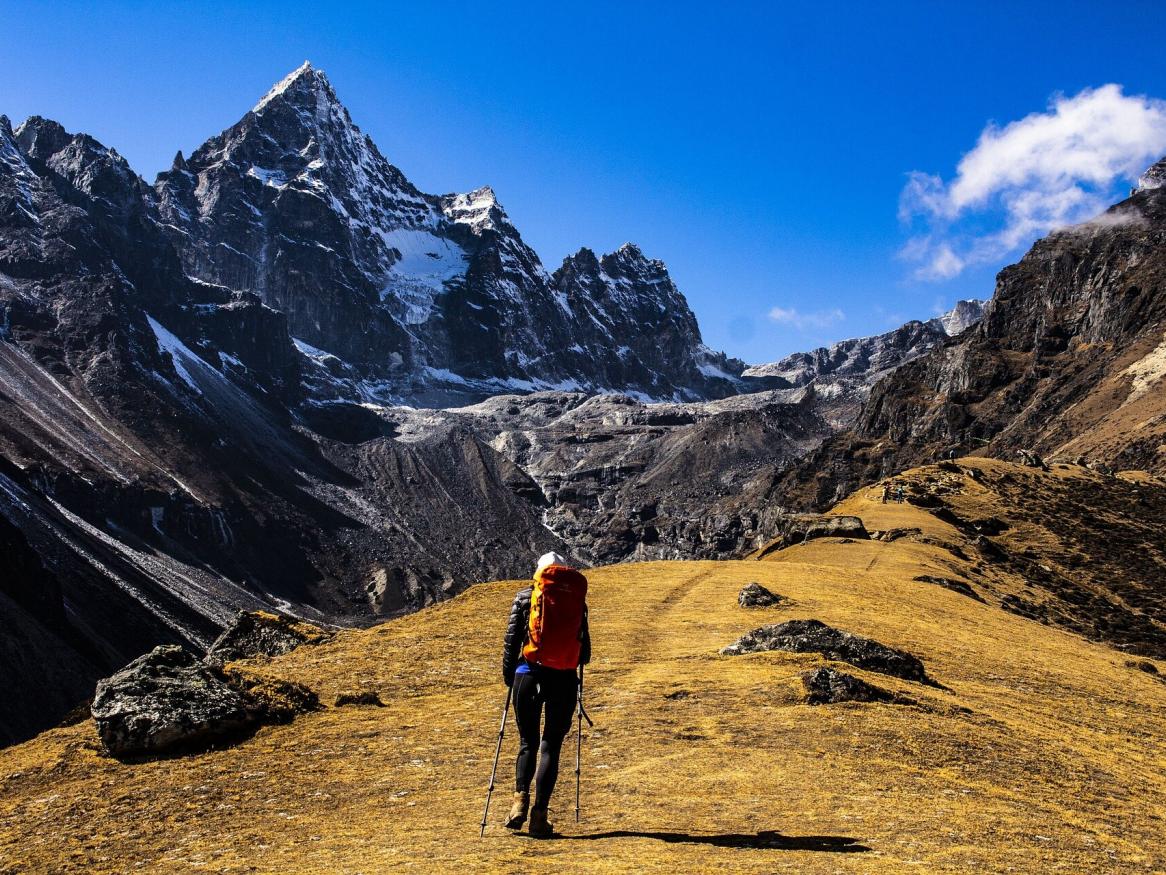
(478, 208)
(305, 72)
(632, 257)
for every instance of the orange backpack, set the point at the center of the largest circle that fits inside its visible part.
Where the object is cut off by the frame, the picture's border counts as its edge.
(557, 602)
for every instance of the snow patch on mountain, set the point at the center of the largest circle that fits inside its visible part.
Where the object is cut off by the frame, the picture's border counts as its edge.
(1154, 177)
(962, 316)
(274, 178)
(189, 365)
(425, 263)
(314, 353)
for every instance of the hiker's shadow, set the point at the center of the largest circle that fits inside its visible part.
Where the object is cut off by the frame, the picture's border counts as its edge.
(766, 839)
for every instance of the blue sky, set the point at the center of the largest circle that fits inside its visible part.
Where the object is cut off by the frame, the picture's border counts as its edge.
(797, 168)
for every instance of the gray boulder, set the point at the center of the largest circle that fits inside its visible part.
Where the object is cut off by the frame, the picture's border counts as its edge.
(169, 701)
(754, 595)
(828, 686)
(1101, 468)
(165, 701)
(1031, 460)
(814, 636)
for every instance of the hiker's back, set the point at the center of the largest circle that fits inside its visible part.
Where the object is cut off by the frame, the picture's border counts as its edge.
(557, 606)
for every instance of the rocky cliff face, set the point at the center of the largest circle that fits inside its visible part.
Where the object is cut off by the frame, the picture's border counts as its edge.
(636, 328)
(619, 479)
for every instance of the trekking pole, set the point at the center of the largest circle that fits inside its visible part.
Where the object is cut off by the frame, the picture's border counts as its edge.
(497, 754)
(581, 716)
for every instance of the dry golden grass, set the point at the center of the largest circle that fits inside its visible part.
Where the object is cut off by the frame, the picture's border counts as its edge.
(1045, 755)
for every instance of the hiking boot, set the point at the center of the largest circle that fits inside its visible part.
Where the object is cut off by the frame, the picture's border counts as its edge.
(539, 827)
(517, 815)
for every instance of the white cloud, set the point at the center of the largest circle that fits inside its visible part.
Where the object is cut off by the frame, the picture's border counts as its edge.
(1022, 180)
(802, 321)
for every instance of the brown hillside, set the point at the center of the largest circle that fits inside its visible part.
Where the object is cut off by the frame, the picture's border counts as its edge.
(1044, 753)
(1068, 546)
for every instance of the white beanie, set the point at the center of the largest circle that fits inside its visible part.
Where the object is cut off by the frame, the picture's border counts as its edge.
(548, 559)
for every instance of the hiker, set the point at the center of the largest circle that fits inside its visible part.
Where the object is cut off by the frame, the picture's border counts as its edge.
(899, 494)
(886, 492)
(546, 641)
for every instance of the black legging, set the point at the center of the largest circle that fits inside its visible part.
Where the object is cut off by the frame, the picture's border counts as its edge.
(556, 690)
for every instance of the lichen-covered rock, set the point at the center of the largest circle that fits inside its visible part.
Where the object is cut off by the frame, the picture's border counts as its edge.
(167, 700)
(814, 636)
(754, 595)
(828, 686)
(258, 633)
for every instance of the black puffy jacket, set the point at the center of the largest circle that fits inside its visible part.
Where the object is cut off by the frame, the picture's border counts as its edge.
(516, 630)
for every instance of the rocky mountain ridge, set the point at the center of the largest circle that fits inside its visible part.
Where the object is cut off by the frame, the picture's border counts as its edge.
(156, 462)
(625, 480)
(844, 373)
(428, 298)
(1067, 362)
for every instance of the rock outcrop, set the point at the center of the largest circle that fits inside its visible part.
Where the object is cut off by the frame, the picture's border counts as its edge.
(754, 595)
(959, 586)
(814, 636)
(259, 633)
(165, 701)
(792, 529)
(828, 686)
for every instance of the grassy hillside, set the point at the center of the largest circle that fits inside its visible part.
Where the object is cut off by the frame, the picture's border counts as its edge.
(1045, 753)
